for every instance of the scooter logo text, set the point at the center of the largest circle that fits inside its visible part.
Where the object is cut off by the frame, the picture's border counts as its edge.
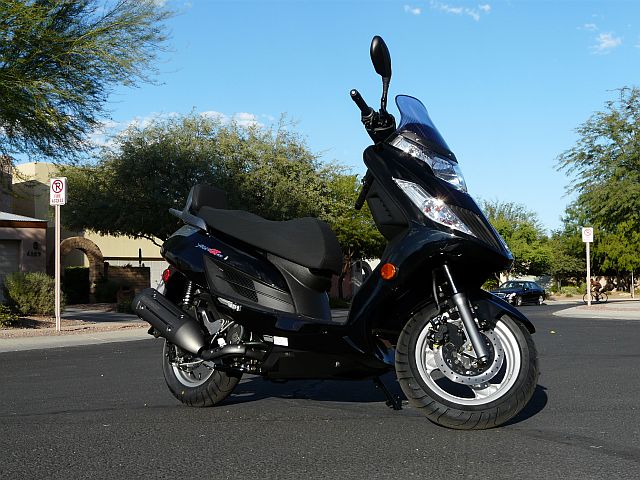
(213, 251)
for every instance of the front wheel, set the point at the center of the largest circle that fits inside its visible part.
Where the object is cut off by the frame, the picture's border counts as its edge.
(448, 385)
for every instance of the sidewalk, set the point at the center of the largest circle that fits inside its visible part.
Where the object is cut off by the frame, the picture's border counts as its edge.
(80, 326)
(87, 326)
(614, 309)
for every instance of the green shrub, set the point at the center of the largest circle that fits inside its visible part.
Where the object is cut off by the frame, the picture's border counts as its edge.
(490, 284)
(31, 293)
(7, 317)
(338, 303)
(570, 291)
(124, 307)
(75, 284)
(107, 290)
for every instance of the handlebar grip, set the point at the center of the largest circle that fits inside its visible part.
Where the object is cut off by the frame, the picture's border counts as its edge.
(366, 185)
(359, 101)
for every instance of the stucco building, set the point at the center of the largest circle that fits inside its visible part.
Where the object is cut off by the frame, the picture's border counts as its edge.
(26, 219)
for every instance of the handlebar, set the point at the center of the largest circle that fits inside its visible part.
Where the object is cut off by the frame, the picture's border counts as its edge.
(365, 109)
(366, 185)
(379, 125)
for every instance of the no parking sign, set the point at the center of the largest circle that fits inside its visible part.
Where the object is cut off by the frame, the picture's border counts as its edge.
(58, 191)
(57, 197)
(587, 238)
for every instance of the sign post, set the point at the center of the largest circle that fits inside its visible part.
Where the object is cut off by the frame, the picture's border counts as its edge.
(57, 197)
(587, 238)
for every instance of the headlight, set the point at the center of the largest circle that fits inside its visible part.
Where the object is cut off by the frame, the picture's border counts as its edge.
(443, 168)
(433, 208)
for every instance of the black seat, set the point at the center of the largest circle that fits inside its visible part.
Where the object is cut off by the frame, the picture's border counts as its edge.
(306, 241)
(205, 195)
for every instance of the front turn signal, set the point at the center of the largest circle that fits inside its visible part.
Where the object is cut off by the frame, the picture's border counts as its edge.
(388, 271)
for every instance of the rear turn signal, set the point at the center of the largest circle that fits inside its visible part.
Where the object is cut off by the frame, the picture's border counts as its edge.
(388, 271)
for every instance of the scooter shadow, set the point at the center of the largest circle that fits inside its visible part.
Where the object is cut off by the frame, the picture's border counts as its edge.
(254, 388)
(537, 403)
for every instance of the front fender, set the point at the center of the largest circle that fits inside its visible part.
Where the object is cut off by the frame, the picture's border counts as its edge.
(490, 306)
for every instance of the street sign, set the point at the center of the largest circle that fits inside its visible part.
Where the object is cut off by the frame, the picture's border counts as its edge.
(57, 197)
(58, 191)
(587, 238)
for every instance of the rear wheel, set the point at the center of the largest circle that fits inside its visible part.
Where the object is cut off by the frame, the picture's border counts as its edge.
(517, 301)
(445, 381)
(540, 300)
(195, 382)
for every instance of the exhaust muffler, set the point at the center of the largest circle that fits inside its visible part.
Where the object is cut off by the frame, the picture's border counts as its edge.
(171, 322)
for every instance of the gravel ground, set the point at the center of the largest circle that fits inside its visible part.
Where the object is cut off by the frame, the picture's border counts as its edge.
(36, 326)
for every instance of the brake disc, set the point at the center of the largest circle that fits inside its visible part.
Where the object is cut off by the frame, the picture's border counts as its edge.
(461, 367)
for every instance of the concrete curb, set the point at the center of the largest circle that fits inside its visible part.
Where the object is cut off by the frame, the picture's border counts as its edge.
(18, 344)
(598, 313)
(111, 327)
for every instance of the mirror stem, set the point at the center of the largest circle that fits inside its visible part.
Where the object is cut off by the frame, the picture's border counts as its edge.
(385, 90)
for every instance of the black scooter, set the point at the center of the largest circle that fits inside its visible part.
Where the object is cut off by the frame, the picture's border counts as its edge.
(248, 295)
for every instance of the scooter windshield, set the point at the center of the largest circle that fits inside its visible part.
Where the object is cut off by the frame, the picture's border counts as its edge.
(415, 119)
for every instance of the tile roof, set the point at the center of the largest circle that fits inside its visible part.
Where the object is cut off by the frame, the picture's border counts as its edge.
(12, 217)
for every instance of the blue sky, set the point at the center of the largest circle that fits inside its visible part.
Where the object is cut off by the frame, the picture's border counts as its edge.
(506, 82)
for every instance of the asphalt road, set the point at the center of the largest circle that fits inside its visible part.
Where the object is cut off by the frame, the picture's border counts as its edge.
(103, 411)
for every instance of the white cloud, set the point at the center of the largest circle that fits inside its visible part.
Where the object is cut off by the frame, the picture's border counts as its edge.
(592, 27)
(103, 134)
(215, 115)
(412, 10)
(243, 119)
(605, 43)
(474, 13)
(246, 119)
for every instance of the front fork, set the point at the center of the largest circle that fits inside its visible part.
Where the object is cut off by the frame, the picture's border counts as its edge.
(471, 328)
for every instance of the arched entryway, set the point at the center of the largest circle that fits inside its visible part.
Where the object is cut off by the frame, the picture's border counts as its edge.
(93, 253)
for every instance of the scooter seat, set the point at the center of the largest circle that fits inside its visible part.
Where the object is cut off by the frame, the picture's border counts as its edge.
(306, 241)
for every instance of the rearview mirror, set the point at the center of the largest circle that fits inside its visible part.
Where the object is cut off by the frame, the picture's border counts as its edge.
(380, 57)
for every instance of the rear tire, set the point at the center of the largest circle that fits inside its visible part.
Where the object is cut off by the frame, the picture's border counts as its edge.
(199, 386)
(497, 397)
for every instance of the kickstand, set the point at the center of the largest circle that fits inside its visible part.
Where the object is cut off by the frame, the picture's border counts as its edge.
(393, 401)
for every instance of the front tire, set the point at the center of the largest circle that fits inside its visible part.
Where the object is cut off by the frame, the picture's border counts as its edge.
(453, 401)
(198, 385)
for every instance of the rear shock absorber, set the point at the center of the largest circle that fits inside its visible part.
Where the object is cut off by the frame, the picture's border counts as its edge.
(188, 295)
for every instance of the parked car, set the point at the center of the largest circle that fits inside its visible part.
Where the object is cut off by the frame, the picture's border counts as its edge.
(519, 292)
